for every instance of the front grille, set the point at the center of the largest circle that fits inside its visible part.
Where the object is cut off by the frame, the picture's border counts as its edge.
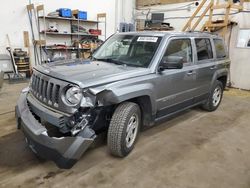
(44, 89)
(48, 90)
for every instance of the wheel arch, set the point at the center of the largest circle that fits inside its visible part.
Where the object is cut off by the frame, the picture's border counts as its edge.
(223, 80)
(220, 75)
(144, 102)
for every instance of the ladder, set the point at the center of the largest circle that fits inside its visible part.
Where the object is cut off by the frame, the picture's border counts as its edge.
(211, 25)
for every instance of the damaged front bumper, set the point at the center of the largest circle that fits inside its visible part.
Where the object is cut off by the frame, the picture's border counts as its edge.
(64, 151)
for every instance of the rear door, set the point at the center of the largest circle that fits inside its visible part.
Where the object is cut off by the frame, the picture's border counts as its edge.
(205, 67)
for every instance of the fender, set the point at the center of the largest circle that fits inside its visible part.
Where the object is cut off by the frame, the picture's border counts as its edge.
(116, 95)
(219, 73)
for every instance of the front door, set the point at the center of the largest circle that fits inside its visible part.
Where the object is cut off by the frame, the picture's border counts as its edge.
(175, 87)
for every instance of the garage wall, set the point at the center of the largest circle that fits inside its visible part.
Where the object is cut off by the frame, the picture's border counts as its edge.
(14, 18)
(177, 15)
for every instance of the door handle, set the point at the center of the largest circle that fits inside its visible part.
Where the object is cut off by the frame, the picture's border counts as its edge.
(213, 67)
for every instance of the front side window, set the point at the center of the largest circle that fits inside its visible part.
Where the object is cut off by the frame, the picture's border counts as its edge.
(204, 49)
(220, 48)
(181, 48)
(131, 50)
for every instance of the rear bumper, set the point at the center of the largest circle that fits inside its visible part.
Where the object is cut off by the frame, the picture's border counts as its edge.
(64, 151)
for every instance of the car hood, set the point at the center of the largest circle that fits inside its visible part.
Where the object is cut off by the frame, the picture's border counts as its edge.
(90, 73)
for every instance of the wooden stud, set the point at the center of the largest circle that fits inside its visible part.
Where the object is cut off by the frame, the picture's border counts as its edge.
(210, 15)
(226, 20)
(202, 16)
(101, 15)
(40, 42)
(26, 39)
(27, 45)
(222, 6)
(188, 24)
(237, 7)
(30, 7)
(40, 7)
(217, 24)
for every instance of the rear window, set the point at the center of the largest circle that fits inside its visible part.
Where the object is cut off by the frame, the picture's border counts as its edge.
(220, 48)
(204, 49)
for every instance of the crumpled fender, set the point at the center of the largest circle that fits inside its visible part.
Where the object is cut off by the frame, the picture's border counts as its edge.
(115, 95)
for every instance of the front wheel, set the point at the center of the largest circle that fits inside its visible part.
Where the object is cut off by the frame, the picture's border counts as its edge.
(215, 97)
(123, 129)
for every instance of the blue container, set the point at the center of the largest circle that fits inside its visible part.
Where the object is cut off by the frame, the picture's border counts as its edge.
(82, 15)
(65, 12)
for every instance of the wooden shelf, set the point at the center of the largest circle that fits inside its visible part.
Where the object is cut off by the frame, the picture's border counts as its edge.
(22, 58)
(66, 48)
(68, 34)
(69, 19)
(23, 70)
(22, 66)
(27, 63)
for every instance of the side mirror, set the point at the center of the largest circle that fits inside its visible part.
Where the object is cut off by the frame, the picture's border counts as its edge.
(171, 62)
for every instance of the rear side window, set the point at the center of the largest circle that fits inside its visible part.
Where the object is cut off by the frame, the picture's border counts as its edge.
(220, 48)
(204, 49)
(181, 48)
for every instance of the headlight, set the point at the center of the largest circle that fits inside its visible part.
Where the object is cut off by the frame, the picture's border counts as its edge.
(73, 95)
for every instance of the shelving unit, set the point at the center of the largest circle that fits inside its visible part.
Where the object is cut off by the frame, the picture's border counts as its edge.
(75, 37)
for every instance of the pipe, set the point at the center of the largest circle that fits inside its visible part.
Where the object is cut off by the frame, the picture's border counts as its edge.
(116, 15)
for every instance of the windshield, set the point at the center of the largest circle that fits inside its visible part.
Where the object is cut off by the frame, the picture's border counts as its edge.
(128, 49)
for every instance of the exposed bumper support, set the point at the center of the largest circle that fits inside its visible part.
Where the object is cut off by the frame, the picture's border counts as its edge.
(64, 151)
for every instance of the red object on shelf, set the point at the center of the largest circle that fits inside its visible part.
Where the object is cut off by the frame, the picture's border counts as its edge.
(95, 31)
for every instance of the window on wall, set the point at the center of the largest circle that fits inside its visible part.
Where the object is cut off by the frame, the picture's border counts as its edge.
(204, 49)
(243, 38)
(181, 48)
(220, 48)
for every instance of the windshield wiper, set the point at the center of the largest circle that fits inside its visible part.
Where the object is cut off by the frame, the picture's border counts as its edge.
(115, 61)
(110, 60)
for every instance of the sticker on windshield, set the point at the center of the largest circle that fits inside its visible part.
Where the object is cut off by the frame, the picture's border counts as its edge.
(147, 39)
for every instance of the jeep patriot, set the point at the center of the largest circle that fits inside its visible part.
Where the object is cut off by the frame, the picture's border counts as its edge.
(133, 80)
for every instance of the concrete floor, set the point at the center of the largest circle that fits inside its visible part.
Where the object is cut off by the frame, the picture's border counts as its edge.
(196, 149)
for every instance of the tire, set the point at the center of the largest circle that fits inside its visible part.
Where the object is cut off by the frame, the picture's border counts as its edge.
(214, 98)
(123, 129)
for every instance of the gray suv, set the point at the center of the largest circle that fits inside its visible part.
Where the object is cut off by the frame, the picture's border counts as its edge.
(132, 81)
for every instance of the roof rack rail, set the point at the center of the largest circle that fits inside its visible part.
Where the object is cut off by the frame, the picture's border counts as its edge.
(190, 31)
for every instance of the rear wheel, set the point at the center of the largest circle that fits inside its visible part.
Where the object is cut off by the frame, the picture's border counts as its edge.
(215, 97)
(123, 129)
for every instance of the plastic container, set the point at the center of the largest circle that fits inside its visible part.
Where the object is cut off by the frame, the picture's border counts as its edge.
(65, 12)
(82, 15)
